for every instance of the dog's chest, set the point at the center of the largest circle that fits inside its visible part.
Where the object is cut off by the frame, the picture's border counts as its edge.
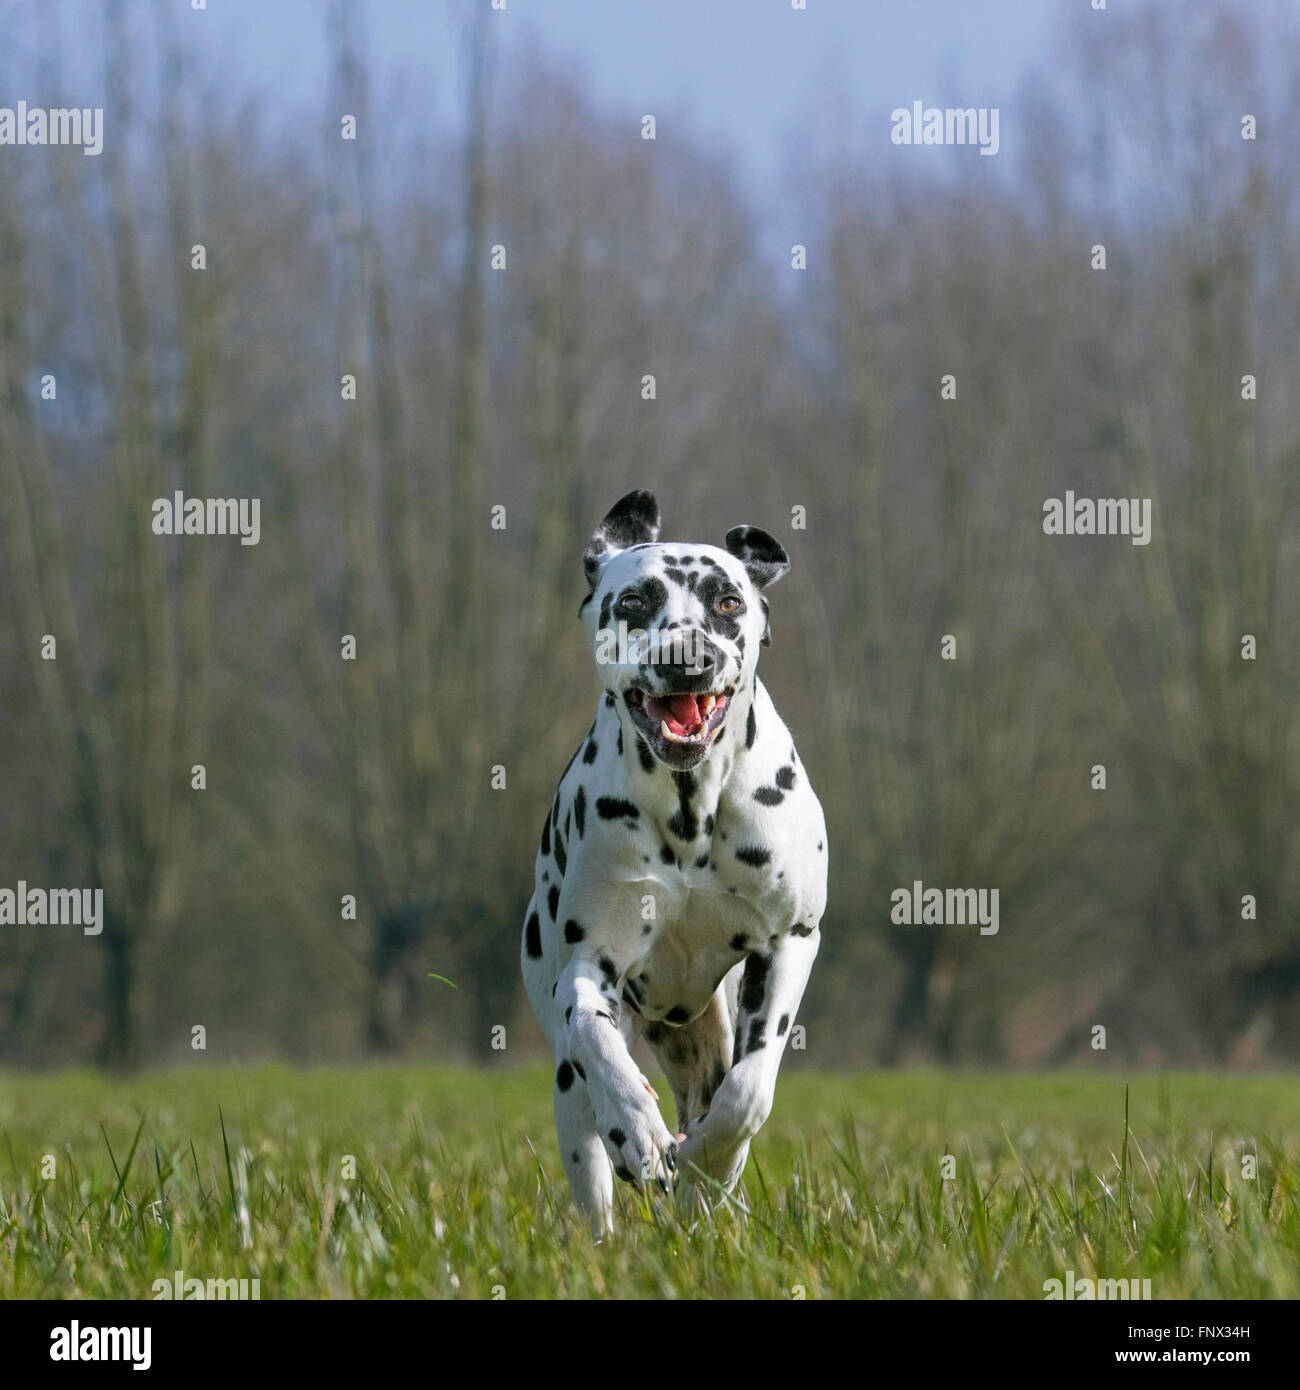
(684, 955)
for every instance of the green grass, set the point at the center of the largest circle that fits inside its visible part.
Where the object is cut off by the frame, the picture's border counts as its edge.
(843, 1196)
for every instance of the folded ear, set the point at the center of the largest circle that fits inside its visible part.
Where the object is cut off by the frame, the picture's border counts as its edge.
(763, 558)
(632, 520)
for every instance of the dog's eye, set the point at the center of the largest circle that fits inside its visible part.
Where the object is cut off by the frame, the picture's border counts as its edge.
(729, 603)
(634, 603)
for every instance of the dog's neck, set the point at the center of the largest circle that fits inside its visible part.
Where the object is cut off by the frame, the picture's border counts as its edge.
(683, 806)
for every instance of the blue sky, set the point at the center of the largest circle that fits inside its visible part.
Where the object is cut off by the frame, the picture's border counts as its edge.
(763, 80)
(773, 86)
(755, 74)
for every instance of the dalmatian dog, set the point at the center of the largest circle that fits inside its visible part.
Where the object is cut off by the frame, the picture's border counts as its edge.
(681, 878)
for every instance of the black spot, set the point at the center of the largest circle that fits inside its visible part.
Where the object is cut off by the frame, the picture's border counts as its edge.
(620, 740)
(589, 753)
(610, 700)
(607, 970)
(753, 983)
(546, 835)
(580, 811)
(553, 899)
(783, 1025)
(711, 589)
(568, 1014)
(751, 728)
(573, 932)
(702, 861)
(623, 1173)
(643, 752)
(785, 778)
(533, 937)
(800, 930)
(684, 823)
(615, 808)
(769, 796)
(708, 825)
(667, 855)
(617, 1137)
(564, 1076)
(654, 594)
(739, 942)
(561, 856)
(577, 1157)
(756, 1039)
(577, 1066)
(677, 1014)
(753, 855)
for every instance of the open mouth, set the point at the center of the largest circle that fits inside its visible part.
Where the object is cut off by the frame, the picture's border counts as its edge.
(680, 725)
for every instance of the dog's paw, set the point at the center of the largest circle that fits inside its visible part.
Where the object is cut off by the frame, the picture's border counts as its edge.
(638, 1142)
(714, 1146)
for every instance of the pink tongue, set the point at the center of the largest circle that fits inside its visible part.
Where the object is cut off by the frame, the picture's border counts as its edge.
(685, 711)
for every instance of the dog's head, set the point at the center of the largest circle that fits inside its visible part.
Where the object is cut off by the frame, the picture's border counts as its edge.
(676, 628)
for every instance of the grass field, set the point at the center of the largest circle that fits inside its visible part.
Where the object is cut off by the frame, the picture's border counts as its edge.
(843, 1197)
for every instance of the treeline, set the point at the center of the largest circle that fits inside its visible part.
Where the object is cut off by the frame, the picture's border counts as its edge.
(385, 344)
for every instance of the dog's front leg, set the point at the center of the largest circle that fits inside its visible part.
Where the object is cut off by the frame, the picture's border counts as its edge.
(770, 992)
(627, 1115)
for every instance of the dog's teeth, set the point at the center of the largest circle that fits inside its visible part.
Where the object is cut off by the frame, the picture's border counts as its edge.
(668, 733)
(707, 704)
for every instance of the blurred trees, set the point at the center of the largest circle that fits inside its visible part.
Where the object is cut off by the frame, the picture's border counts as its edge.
(521, 388)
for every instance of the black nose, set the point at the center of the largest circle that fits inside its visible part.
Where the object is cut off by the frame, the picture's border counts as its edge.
(678, 673)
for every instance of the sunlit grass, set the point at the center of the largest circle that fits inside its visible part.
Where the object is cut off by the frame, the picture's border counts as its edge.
(459, 1193)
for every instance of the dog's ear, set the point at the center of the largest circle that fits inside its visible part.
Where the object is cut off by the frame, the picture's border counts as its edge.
(632, 520)
(764, 559)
